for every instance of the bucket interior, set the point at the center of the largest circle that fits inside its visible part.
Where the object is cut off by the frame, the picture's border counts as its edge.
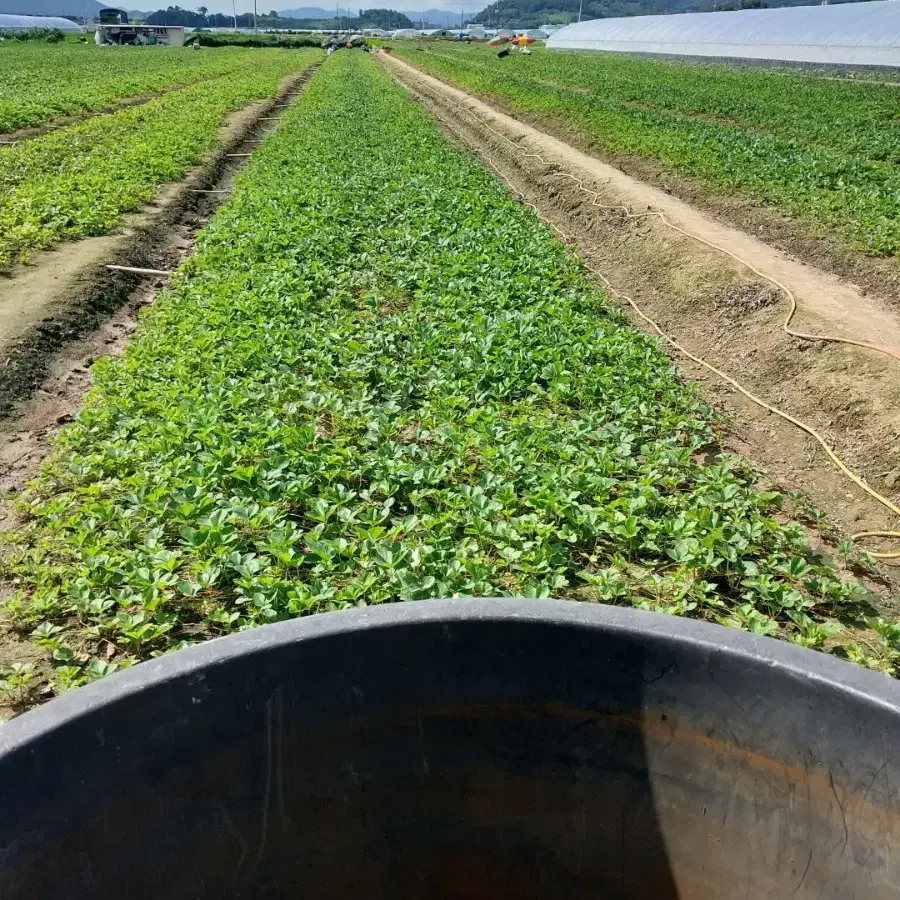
(492, 759)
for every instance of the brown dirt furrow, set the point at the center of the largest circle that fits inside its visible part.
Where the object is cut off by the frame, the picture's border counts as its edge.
(80, 311)
(719, 310)
(64, 293)
(793, 235)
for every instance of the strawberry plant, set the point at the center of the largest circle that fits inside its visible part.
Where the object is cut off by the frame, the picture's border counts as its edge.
(40, 82)
(380, 379)
(822, 149)
(80, 180)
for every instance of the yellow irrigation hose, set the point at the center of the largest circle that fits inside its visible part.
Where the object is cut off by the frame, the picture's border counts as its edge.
(829, 450)
(782, 287)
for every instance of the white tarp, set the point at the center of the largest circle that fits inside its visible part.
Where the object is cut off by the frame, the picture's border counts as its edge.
(18, 23)
(848, 33)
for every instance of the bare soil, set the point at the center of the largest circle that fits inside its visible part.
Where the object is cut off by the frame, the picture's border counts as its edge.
(64, 310)
(879, 276)
(794, 236)
(720, 311)
(60, 295)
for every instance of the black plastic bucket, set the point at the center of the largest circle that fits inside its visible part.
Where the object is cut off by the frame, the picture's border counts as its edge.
(483, 749)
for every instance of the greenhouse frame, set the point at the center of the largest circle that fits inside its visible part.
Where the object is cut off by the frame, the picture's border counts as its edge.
(860, 34)
(26, 23)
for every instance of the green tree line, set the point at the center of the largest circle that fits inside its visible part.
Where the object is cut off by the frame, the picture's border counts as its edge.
(202, 18)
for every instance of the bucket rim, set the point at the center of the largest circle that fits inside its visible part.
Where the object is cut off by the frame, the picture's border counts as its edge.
(740, 648)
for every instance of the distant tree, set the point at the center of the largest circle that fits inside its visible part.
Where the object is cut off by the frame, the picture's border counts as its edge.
(368, 18)
(175, 15)
(384, 18)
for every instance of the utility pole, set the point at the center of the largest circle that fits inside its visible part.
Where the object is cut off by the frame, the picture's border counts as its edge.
(580, 2)
(255, 26)
(234, 12)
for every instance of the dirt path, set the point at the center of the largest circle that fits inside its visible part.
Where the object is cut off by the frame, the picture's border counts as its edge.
(795, 236)
(95, 312)
(718, 309)
(820, 295)
(61, 294)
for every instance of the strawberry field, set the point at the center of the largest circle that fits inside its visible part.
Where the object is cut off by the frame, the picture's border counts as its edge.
(40, 82)
(79, 180)
(822, 149)
(380, 378)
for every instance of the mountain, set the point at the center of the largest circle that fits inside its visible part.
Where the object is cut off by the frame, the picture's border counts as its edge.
(316, 17)
(533, 13)
(434, 17)
(439, 18)
(70, 8)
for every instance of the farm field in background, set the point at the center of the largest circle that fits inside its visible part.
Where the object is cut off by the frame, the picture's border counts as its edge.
(380, 378)
(42, 82)
(79, 180)
(826, 150)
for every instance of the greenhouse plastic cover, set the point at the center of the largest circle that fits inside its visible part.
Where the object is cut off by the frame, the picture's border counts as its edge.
(849, 34)
(10, 23)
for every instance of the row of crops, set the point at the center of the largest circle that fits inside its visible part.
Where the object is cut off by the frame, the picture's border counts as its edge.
(40, 82)
(379, 378)
(79, 180)
(825, 150)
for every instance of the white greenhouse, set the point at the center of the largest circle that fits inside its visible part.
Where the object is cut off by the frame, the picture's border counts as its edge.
(25, 23)
(863, 34)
